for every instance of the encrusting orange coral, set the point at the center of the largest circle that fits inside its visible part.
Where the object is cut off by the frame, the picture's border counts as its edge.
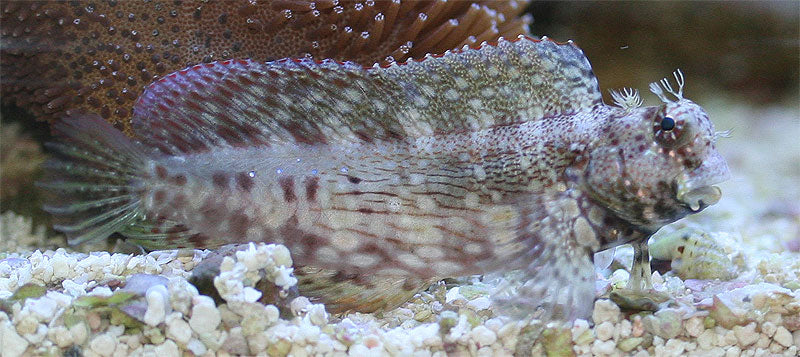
(99, 56)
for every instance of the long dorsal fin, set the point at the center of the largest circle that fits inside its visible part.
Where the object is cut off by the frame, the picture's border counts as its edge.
(304, 101)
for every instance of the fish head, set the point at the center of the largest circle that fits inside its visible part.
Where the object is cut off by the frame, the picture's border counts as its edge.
(654, 165)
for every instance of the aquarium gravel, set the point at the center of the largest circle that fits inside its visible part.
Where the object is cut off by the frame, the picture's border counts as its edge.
(60, 301)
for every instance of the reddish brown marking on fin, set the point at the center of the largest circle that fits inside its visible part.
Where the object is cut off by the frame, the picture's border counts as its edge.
(212, 212)
(176, 229)
(311, 240)
(239, 223)
(198, 240)
(363, 136)
(341, 276)
(312, 185)
(287, 185)
(394, 135)
(408, 284)
(220, 179)
(366, 210)
(303, 135)
(179, 179)
(244, 181)
(161, 172)
(158, 197)
(372, 248)
(179, 201)
(353, 179)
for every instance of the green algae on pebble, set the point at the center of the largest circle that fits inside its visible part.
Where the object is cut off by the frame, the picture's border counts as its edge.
(557, 342)
(629, 343)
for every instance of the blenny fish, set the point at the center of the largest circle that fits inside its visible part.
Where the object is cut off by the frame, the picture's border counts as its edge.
(380, 180)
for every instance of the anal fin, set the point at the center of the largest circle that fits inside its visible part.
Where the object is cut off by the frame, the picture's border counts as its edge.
(162, 234)
(555, 276)
(348, 292)
(559, 285)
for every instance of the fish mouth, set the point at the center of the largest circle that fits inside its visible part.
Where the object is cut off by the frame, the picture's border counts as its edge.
(695, 188)
(699, 198)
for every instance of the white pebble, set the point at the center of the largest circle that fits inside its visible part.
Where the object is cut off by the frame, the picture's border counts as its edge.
(299, 305)
(578, 328)
(178, 329)
(61, 266)
(452, 295)
(768, 328)
(271, 313)
(196, 347)
(60, 335)
(763, 341)
(168, 348)
(603, 347)
(604, 331)
(37, 337)
(248, 257)
(494, 324)
(746, 335)
(43, 308)
(625, 328)
(59, 298)
(605, 310)
(358, 350)
(733, 351)
(316, 314)
(706, 339)
(205, 318)
(783, 336)
(726, 337)
(251, 295)
(481, 303)
(281, 256)
(483, 336)
(13, 344)
(674, 347)
(284, 277)
(79, 333)
(694, 326)
(157, 299)
(104, 344)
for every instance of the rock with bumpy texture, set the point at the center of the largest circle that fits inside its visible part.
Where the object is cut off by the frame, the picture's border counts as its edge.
(98, 56)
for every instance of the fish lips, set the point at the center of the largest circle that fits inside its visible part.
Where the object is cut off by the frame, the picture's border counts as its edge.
(695, 188)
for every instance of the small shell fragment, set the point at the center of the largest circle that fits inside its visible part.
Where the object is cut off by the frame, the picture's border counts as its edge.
(694, 254)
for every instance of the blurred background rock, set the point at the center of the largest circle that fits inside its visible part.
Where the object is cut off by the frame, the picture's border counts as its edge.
(749, 50)
(745, 52)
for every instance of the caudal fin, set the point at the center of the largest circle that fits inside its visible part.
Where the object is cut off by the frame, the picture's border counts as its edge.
(93, 180)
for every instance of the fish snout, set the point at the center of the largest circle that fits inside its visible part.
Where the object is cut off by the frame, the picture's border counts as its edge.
(695, 188)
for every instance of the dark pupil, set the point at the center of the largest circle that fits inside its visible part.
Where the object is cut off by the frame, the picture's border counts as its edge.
(667, 124)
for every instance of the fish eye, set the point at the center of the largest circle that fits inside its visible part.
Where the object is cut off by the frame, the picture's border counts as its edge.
(667, 124)
(668, 130)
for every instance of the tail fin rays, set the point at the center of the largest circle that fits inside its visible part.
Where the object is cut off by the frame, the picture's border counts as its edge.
(94, 179)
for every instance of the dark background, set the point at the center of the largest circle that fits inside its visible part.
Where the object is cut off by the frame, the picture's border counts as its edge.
(749, 50)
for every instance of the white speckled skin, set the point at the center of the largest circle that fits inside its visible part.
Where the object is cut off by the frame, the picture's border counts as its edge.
(485, 160)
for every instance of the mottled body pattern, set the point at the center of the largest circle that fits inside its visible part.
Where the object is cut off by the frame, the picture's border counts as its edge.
(491, 159)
